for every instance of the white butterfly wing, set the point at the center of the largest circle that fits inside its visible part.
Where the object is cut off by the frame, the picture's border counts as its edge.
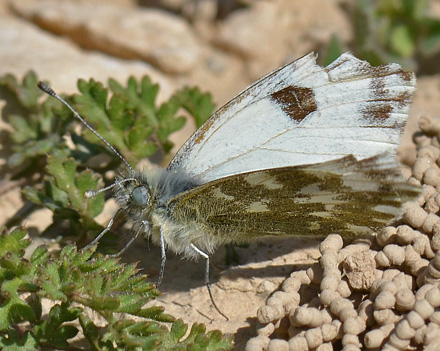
(301, 114)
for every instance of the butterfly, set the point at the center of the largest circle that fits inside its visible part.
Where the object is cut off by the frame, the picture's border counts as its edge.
(305, 151)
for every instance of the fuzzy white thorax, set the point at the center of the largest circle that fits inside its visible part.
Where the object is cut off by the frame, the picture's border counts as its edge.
(163, 185)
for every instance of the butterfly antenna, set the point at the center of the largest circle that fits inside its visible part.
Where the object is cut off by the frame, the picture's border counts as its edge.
(92, 193)
(48, 90)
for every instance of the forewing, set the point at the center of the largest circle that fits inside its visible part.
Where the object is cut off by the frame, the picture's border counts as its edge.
(343, 196)
(302, 114)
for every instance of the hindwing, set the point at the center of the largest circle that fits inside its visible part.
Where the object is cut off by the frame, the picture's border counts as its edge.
(343, 196)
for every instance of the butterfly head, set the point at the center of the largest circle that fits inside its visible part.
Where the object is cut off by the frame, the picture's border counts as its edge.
(140, 196)
(134, 195)
(140, 193)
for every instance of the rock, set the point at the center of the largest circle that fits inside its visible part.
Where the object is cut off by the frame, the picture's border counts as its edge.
(271, 33)
(158, 37)
(24, 47)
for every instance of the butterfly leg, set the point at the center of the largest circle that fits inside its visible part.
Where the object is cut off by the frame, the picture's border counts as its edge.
(143, 225)
(208, 284)
(163, 256)
(106, 229)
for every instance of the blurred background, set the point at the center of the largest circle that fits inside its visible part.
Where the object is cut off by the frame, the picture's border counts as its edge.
(219, 45)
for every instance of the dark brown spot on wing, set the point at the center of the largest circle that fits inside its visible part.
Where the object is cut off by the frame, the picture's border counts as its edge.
(385, 102)
(296, 102)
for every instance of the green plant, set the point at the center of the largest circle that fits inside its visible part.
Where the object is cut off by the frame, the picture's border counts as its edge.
(128, 117)
(63, 193)
(38, 127)
(76, 283)
(394, 31)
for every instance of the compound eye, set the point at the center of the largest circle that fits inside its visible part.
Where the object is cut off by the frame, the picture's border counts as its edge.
(140, 196)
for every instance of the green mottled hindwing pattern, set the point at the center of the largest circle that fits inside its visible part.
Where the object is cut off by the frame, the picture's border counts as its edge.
(344, 196)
